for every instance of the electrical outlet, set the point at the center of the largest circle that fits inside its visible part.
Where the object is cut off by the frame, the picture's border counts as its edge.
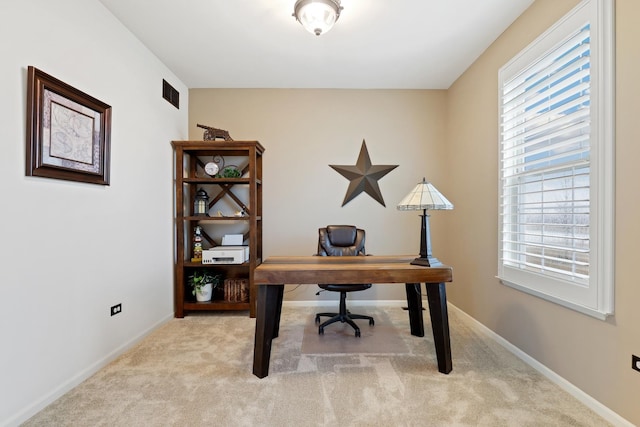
(635, 362)
(116, 309)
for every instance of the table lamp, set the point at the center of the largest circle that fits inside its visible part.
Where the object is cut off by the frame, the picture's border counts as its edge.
(425, 196)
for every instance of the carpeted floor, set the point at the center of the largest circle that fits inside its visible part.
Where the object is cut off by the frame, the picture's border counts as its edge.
(196, 371)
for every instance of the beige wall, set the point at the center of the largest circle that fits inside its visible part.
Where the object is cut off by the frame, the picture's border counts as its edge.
(304, 131)
(451, 138)
(592, 354)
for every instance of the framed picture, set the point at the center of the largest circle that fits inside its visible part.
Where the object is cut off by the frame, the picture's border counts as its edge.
(68, 131)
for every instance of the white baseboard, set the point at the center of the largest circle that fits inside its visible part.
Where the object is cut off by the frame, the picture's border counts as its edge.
(81, 376)
(583, 397)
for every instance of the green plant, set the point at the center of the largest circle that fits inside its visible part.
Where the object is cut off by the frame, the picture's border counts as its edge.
(229, 172)
(199, 278)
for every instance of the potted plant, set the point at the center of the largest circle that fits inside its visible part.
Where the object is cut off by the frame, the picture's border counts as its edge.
(202, 283)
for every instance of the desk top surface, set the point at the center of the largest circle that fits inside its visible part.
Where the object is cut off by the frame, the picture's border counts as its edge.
(347, 269)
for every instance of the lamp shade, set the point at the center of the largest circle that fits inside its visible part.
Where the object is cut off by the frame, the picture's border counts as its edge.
(317, 16)
(424, 196)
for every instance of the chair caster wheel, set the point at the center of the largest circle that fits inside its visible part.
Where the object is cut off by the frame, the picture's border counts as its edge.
(371, 322)
(358, 334)
(321, 331)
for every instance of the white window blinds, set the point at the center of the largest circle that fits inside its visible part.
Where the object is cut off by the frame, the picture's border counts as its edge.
(545, 163)
(556, 163)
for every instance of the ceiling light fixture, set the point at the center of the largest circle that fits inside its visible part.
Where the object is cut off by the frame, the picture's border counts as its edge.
(317, 16)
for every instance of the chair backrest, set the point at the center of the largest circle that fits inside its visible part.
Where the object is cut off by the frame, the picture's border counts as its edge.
(341, 240)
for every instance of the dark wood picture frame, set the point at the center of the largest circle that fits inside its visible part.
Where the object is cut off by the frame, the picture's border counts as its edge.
(68, 131)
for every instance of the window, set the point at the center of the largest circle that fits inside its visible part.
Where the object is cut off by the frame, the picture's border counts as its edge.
(557, 165)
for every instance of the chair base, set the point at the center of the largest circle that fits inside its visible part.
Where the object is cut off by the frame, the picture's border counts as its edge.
(337, 317)
(344, 316)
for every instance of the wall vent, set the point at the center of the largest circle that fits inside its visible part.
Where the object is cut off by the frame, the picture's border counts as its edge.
(170, 94)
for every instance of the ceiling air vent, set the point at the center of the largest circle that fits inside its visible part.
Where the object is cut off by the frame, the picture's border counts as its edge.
(170, 94)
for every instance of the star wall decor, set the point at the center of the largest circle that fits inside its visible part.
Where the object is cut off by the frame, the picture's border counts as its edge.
(363, 176)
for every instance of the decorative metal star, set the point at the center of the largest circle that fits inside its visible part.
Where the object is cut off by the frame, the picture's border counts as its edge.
(363, 176)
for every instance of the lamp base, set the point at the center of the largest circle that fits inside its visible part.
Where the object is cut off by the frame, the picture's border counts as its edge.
(427, 262)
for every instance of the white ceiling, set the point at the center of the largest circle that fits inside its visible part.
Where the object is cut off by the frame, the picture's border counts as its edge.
(399, 44)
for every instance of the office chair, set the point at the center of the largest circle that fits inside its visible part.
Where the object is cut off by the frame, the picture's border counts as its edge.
(339, 240)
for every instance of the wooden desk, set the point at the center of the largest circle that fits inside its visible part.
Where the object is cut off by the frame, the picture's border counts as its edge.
(273, 273)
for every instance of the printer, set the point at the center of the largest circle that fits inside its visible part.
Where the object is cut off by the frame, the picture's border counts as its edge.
(225, 255)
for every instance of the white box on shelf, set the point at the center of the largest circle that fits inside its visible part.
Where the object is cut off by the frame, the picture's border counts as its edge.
(232, 240)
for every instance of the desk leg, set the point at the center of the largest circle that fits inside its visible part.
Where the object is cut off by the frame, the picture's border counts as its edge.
(269, 306)
(437, 297)
(279, 297)
(414, 302)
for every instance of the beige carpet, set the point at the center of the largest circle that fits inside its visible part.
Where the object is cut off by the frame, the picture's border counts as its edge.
(197, 372)
(382, 338)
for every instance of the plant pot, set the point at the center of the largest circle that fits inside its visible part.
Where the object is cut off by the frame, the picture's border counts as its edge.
(204, 294)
